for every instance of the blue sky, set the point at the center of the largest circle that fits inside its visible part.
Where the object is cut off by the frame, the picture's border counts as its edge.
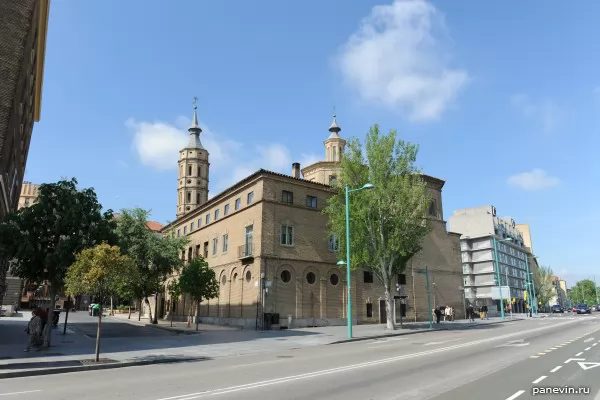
(504, 100)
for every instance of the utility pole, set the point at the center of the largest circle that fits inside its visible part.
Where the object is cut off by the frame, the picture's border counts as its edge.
(596, 287)
(429, 298)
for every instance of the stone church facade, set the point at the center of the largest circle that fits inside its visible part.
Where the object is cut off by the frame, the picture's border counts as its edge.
(266, 239)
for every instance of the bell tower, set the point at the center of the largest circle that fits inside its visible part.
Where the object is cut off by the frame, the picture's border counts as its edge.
(192, 172)
(334, 145)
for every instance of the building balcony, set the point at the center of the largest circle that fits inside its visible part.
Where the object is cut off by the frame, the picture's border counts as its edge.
(245, 251)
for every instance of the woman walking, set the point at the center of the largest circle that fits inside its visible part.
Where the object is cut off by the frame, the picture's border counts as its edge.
(34, 332)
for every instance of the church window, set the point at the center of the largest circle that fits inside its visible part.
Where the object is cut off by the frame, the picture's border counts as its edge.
(432, 209)
(225, 242)
(185, 230)
(334, 153)
(367, 276)
(199, 222)
(192, 227)
(226, 210)
(334, 243)
(311, 202)
(178, 232)
(334, 279)
(216, 214)
(238, 203)
(285, 276)
(287, 197)
(215, 246)
(207, 219)
(197, 198)
(199, 170)
(287, 234)
(311, 278)
(250, 198)
(332, 180)
(189, 170)
(189, 197)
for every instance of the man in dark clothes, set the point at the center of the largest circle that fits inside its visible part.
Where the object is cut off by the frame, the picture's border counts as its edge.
(43, 314)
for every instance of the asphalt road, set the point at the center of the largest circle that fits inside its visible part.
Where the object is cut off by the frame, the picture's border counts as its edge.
(486, 363)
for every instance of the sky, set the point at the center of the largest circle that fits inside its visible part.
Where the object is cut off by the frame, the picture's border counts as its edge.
(503, 100)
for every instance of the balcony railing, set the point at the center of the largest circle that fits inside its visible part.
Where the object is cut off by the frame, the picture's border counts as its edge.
(245, 251)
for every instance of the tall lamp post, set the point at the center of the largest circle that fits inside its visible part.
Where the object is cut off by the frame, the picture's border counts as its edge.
(498, 272)
(347, 262)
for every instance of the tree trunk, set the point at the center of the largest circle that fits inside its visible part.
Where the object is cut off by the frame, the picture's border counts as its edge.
(68, 307)
(129, 317)
(155, 320)
(3, 272)
(139, 303)
(147, 302)
(389, 309)
(97, 358)
(48, 329)
(197, 313)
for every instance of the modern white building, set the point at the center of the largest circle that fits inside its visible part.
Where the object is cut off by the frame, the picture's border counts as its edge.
(479, 228)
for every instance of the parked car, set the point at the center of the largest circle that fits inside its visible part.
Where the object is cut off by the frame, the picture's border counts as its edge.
(557, 308)
(584, 309)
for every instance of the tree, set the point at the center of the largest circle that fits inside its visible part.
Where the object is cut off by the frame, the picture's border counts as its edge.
(584, 292)
(43, 240)
(155, 256)
(200, 282)
(388, 223)
(99, 272)
(174, 290)
(544, 286)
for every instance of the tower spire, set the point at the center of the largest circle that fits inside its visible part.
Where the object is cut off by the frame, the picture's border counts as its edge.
(334, 128)
(194, 129)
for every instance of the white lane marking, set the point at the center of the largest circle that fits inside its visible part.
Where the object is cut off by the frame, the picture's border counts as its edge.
(587, 348)
(578, 354)
(314, 374)
(593, 344)
(445, 341)
(538, 380)
(556, 368)
(534, 357)
(255, 363)
(541, 354)
(13, 393)
(514, 396)
(574, 359)
(588, 340)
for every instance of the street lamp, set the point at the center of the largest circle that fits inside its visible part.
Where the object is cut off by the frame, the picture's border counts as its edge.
(498, 272)
(347, 262)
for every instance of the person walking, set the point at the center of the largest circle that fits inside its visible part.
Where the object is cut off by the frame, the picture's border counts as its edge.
(34, 332)
(470, 313)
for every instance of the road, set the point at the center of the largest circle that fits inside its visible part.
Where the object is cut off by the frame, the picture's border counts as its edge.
(506, 362)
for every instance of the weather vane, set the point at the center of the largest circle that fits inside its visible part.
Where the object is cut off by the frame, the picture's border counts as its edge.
(195, 102)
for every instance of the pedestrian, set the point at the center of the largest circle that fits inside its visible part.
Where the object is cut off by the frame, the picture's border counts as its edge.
(34, 332)
(485, 312)
(470, 313)
(438, 315)
(448, 313)
(43, 315)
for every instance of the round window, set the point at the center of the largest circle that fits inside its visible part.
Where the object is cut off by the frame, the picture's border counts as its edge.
(334, 279)
(286, 276)
(248, 276)
(189, 181)
(223, 280)
(311, 278)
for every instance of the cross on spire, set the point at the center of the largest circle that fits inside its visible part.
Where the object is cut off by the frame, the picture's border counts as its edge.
(195, 102)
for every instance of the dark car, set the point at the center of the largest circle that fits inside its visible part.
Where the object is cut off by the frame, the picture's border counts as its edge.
(557, 308)
(583, 309)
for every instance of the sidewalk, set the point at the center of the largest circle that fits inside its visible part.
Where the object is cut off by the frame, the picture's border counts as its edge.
(74, 351)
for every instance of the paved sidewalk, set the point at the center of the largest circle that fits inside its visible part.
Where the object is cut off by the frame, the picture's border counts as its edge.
(74, 351)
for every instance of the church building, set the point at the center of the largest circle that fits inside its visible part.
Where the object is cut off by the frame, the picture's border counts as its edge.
(266, 239)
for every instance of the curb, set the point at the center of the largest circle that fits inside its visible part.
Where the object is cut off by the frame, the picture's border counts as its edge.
(92, 367)
(401, 333)
(156, 326)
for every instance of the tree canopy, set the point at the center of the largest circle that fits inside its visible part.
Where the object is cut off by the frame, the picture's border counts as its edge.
(199, 281)
(584, 292)
(389, 222)
(544, 286)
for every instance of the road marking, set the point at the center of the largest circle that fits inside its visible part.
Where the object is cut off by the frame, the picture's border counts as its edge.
(515, 343)
(556, 368)
(574, 359)
(315, 374)
(588, 365)
(13, 393)
(534, 357)
(587, 348)
(588, 340)
(578, 354)
(554, 348)
(541, 354)
(593, 344)
(538, 380)
(514, 396)
(445, 341)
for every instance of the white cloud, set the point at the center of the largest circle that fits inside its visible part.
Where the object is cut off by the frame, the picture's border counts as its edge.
(536, 179)
(157, 145)
(395, 59)
(546, 112)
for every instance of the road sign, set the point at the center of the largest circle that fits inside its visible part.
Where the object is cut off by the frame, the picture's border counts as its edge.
(588, 365)
(496, 292)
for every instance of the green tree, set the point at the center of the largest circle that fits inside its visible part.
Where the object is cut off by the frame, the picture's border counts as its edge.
(388, 223)
(155, 256)
(99, 272)
(544, 286)
(200, 282)
(43, 240)
(584, 292)
(174, 290)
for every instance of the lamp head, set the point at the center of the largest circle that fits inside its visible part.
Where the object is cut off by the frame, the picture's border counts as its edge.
(341, 262)
(368, 186)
